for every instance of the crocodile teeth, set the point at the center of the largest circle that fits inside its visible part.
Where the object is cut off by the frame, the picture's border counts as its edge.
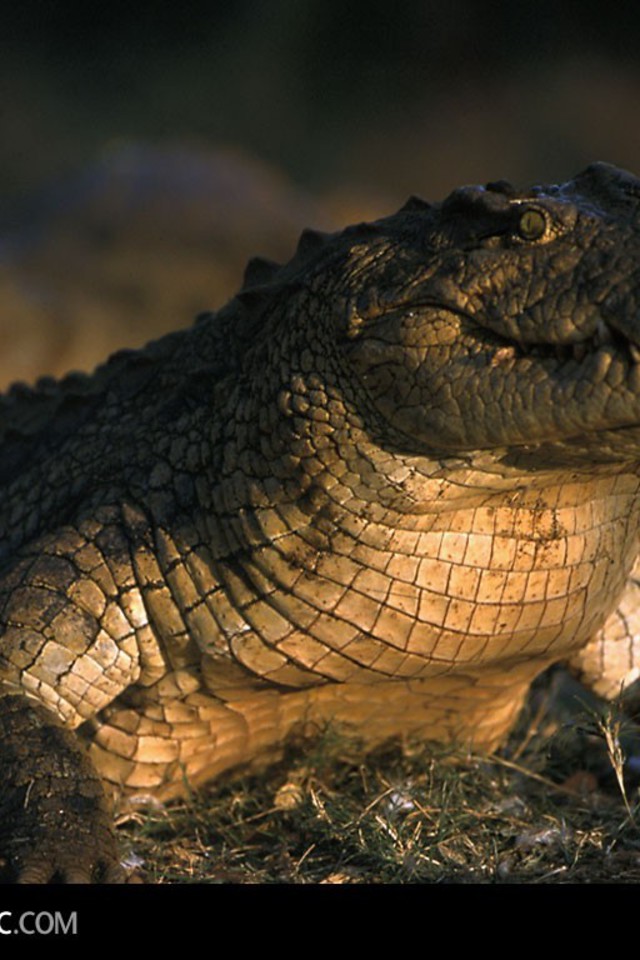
(634, 350)
(502, 355)
(602, 333)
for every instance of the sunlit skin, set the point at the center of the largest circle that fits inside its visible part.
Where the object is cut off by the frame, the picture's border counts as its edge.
(383, 489)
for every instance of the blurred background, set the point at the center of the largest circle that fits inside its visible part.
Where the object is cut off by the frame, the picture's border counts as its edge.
(148, 151)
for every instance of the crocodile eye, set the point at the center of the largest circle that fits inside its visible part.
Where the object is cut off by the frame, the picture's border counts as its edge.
(532, 224)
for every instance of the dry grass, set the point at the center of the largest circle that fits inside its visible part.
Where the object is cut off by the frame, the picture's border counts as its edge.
(558, 805)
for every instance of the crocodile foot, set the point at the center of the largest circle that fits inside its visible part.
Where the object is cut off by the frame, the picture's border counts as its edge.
(55, 822)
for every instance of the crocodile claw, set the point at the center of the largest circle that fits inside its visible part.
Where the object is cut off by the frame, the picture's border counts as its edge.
(55, 822)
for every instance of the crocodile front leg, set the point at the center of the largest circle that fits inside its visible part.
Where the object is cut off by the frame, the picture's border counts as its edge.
(55, 822)
(72, 628)
(610, 662)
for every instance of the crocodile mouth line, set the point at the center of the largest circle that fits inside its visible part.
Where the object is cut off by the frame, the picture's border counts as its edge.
(576, 350)
(506, 349)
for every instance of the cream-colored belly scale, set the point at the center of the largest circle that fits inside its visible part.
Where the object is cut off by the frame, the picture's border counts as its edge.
(436, 634)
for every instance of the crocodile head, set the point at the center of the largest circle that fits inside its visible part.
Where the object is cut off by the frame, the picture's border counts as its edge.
(502, 319)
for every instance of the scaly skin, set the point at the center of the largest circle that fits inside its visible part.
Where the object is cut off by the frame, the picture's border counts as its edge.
(384, 488)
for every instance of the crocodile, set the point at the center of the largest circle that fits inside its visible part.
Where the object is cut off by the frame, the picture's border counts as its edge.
(387, 485)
